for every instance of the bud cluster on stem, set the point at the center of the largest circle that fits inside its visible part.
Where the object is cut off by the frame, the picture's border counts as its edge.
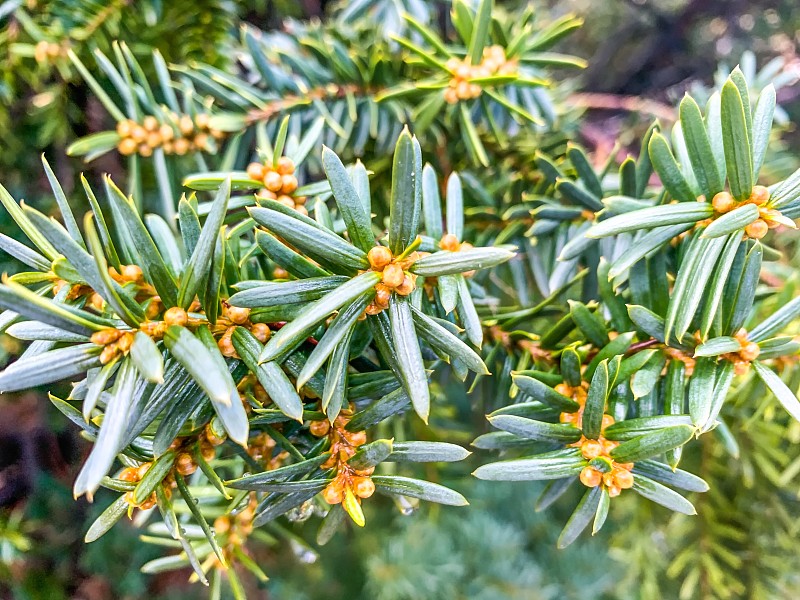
(280, 182)
(769, 218)
(461, 87)
(174, 134)
(350, 485)
(394, 277)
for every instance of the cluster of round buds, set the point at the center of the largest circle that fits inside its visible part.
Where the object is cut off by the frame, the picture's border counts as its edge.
(577, 393)
(118, 342)
(115, 342)
(178, 134)
(134, 475)
(494, 62)
(172, 316)
(614, 478)
(279, 182)
(688, 361)
(79, 290)
(350, 485)
(748, 352)
(261, 448)
(132, 276)
(207, 442)
(768, 218)
(232, 317)
(394, 277)
(604, 470)
(233, 530)
(250, 384)
(45, 51)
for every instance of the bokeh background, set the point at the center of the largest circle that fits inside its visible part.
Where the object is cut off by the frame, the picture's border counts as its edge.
(643, 55)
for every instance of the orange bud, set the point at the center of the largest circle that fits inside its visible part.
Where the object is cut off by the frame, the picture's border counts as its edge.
(150, 123)
(138, 134)
(623, 479)
(212, 437)
(273, 181)
(373, 309)
(238, 314)
(222, 525)
(176, 316)
(357, 438)
(382, 296)
(332, 494)
(201, 141)
(207, 451)
(261, 331)
(153, 308)
(591, 449)
(757, 229)
(226, 347)
(564, 389)
(590, 477)
(167, 133)
(255, 171)
(288, 183)
(186, 125)
(449, 242)
(124, 128)
(185, 464)
(287, 201)
(363, 487)
(129, 474)
(105, 336)
(406, 287)
(608, 446)
(202, 120)
(393, 275)
(132, 273)
(379, 257)
(149, 503)
(285, 165)
(607, 420)
(723, 202)
(319, 428)
(181, 146)
(142, 469)
(127, 146)
(740, 367)
(750, 351)
(125, 342)
(108, 354)
(759, 195)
